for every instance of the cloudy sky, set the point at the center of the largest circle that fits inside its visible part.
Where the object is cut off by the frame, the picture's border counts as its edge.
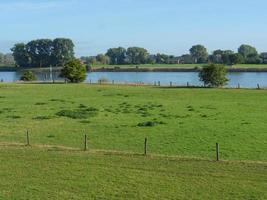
(168, 26)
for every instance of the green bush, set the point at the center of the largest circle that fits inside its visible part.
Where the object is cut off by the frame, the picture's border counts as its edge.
(28, 76)
(213, 75)
(74, 71)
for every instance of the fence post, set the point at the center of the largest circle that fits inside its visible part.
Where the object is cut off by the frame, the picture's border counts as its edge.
(170, 84)
(187, 84)
(158, 83)
(217, 152)
(238, 85)
(258, 86)
(85, 142)
(145, 147)
(27, 138)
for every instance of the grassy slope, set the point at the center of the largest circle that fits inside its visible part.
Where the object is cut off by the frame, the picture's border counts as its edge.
(36, 173)
(189, 121)
(178, 66)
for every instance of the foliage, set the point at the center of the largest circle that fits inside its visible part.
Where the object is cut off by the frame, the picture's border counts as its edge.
(43, 52)
(74, 71)
(137, 55)
(7, 59)
(246, 50)
(199, 53)
(117, 55)
(28, 76)
(236, 58)
(213, 75)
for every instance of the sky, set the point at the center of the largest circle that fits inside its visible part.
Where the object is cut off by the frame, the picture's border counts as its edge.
(166, 26)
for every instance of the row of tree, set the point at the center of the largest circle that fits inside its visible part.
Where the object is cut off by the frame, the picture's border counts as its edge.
(197, 54)
(7, 59)
(43, 52)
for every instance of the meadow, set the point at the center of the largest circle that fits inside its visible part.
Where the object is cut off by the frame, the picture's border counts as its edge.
(182, 126)
(184, 122)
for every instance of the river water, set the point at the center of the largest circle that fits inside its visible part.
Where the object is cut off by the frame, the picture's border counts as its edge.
(245, 79)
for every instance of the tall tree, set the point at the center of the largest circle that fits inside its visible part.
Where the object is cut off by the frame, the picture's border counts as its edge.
(102, 59)
(40, 52)
(21, 55)
(137, 55)
(246, 50)
(117, 55)
(199, 53)
(63, 51)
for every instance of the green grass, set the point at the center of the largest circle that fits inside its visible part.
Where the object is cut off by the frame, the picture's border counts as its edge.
(151, 66)
(182, 127)
(45, 173)
(183, 122)
(250, 66)
(176, 66)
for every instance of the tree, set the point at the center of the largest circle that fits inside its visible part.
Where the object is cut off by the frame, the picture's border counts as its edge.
(246, 50)
(199, 53)
(236, 58)
(21, 55)
(102, 59)
(43, 52)
(74, 71)
(63, 51)
(213, 75)
(253, 59)
(226, 57)
(162, 59)
(28, 76)
(40, 52)
(117, 55)
(263, 56)
(137, 55)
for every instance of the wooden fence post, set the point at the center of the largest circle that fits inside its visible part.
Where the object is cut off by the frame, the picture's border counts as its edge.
(85, 142)
(145, 147)
(27, 138)
(217, 152)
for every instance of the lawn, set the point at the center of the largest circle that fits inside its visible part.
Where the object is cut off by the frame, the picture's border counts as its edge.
(45, 173)
(182, 122)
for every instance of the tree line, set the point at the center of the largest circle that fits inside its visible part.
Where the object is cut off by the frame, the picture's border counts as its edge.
(57, 52)
(43, 52)
(246, 54)
(7, 59)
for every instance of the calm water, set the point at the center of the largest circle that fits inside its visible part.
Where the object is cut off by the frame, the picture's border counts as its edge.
(245, 79)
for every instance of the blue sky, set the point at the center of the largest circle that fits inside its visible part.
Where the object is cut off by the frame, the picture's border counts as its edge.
(167, 26)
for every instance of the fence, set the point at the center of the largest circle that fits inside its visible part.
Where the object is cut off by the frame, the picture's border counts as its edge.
(84, 146)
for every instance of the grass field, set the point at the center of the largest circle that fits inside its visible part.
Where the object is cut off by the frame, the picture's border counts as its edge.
(182, 127)
(38, 173)
(185, 122)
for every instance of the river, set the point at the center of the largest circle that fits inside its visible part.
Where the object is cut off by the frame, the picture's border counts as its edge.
(245, 79)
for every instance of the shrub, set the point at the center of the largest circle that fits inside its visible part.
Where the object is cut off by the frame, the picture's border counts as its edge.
(74, 71)
(213, 75)
(28, 76)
